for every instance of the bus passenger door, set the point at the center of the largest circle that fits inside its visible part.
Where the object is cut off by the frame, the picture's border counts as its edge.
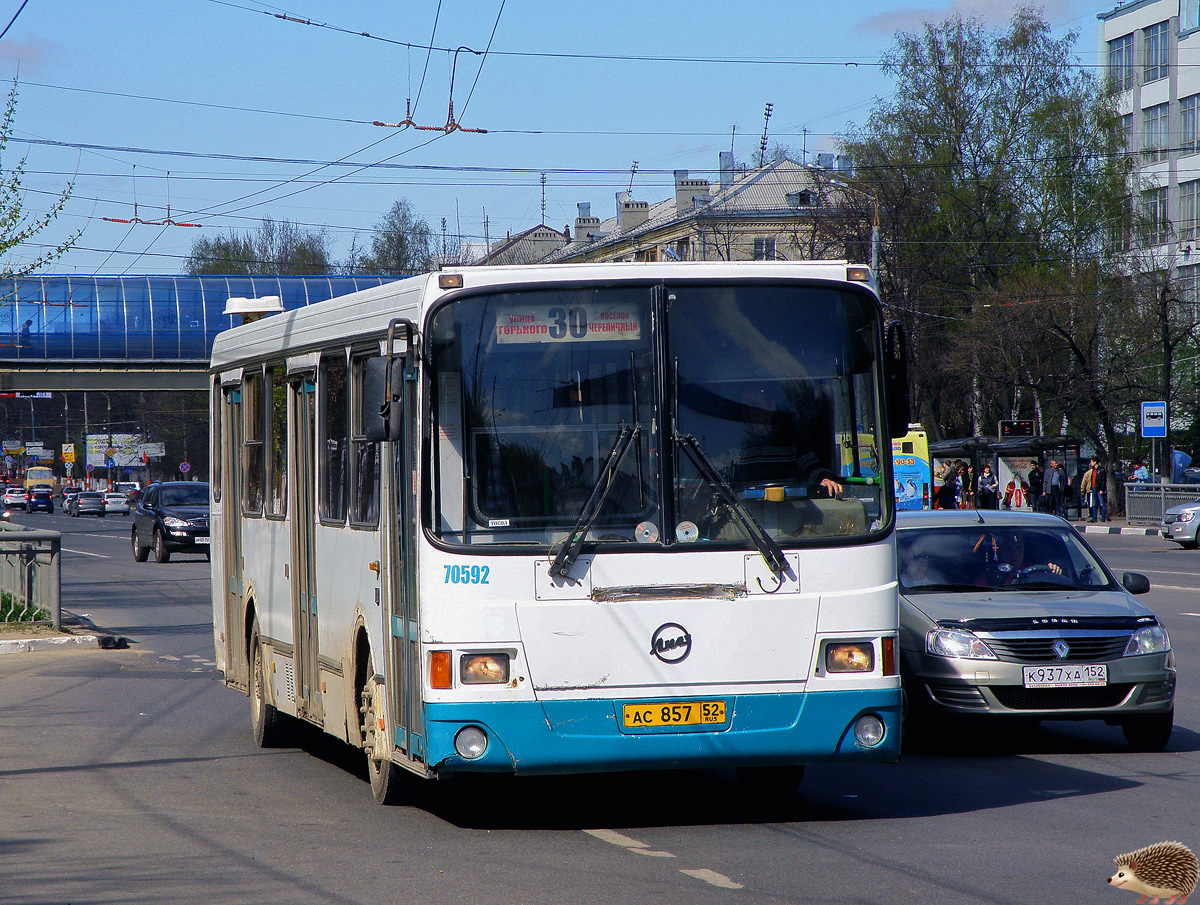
(231, 537)
(304, 584)
(407, 714)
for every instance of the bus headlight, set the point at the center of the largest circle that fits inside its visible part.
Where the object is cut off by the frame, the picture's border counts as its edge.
(858, 656)
(484, 669)
(470, 742)
(868, 731)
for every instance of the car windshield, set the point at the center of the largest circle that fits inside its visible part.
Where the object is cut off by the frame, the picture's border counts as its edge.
(962, 559)
(184, 495)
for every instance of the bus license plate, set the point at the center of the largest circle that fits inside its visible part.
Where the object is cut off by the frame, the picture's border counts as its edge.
(688, 713)
(1080, 676)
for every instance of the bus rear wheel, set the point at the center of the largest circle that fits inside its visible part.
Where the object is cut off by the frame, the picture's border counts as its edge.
(384, 775)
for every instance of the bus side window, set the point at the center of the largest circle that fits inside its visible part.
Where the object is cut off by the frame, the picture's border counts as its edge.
(253, 461)
(333, 439)
(364, 462)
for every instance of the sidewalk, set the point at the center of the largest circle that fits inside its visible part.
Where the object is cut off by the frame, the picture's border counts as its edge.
(1116, 526)
(76, 634)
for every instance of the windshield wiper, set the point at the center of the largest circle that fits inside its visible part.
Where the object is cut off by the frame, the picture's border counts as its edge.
(771, 552)
(573, 543)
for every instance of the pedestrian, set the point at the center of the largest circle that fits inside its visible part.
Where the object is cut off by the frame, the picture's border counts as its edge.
(1087, 492)
(1036, 479)
(1100, 488)
(987, 489)
(1141, 474)
(1054, 486)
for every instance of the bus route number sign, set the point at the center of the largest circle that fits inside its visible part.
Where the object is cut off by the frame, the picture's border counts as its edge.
(582, 322)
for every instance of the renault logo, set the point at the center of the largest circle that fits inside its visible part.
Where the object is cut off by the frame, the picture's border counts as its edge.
(1060, 649)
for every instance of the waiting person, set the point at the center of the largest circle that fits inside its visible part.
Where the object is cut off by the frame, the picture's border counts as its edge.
(1054, 485)
(1087, 483)
(987, 489)
(1141, 473)
(1100, 488)
(1036, 480)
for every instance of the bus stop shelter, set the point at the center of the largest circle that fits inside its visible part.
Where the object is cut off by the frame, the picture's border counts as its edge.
(1011, 458)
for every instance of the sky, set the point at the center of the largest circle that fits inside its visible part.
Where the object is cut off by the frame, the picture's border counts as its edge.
(222, 113)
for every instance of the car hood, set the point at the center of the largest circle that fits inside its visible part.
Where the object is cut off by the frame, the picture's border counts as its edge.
(1018, 604)
(1184, 507)
(185, 512)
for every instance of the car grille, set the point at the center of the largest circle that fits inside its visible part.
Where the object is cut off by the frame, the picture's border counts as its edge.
(1169, 518)
(1016, 698)
(1041, 650)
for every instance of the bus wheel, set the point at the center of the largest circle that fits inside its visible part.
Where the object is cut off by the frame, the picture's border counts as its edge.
(267, 721)
(385, 775)
(770, 782)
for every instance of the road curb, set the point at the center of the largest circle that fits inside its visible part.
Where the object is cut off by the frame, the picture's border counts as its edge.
(1115, 529)
(30, 643)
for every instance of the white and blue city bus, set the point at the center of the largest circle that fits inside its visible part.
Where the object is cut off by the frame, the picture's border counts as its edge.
(553, 519)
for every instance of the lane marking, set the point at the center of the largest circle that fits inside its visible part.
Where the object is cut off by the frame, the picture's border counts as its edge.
(615, 838)
(85, 553)
(711, 876)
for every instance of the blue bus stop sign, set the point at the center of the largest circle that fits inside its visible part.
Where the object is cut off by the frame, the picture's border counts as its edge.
(1154, 419)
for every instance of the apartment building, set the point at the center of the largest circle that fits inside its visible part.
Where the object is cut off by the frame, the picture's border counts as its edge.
(1152, 52)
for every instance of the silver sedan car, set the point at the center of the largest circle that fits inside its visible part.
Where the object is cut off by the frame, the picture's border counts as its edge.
(1179, 524)
(1012, 614)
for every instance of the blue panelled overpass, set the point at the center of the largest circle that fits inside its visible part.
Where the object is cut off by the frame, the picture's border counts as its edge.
(66, 332)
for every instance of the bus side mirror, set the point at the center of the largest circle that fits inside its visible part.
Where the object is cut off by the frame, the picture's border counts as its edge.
(895, 380)
(383, 380)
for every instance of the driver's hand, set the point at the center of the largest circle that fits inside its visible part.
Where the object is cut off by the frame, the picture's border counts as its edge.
(1054, 567)
(832, 487)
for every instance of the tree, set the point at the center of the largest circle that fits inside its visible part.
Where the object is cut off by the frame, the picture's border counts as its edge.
(276, 248)
(17, 226)
(401, 244)
(993, 170)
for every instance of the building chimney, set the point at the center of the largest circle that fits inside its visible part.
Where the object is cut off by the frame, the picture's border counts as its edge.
(686, 191)
(726, 169)
(584, 221)
(632, 215)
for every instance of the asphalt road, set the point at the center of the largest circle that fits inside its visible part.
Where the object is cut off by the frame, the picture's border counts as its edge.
(131, 776)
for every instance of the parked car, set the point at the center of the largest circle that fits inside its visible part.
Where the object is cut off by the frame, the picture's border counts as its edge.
(86, 502)
(14, 498)
(40, 499)
(171, 517)
(1012, 614)
(1179, 523)
(116, 502)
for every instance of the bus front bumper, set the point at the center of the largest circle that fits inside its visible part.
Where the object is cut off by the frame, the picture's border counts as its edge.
(547, 737)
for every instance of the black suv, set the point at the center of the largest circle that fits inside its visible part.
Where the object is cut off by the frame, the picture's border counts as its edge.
(171, 517)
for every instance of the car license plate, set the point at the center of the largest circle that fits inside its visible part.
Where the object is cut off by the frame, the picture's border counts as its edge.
(1080, 676)
(202, 540)
(687, 713)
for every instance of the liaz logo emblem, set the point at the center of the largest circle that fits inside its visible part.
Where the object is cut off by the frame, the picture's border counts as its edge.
(671, 643)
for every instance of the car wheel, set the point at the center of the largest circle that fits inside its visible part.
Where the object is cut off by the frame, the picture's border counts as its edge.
(266, 720)
(1150, 732)
(161, 553)
(385, 775)
(1189, 544)
(140, 553)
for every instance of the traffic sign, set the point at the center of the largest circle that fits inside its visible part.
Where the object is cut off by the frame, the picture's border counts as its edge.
(184, 467)
(1154, 419)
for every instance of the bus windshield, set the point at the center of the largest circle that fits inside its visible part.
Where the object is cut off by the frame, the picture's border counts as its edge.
(708, 412)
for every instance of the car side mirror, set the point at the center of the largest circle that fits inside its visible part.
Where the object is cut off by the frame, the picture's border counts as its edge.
(1135, 582)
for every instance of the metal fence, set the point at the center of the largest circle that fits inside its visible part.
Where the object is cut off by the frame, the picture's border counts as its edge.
(30, 576)
(1146, 503)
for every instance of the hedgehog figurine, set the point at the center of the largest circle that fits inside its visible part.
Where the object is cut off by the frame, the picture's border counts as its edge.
(1165, 870)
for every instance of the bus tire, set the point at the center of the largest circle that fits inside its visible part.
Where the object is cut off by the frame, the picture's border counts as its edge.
(161, 553)
(264, 718)
(140, 553)
(384, 775)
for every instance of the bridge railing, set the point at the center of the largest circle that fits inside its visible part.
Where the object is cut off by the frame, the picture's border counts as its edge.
(1146, 503)
(30, 576)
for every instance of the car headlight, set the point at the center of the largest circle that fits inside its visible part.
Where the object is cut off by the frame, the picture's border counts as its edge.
(958, 644)
(1149, 640)
(1185, 516)
(171, 522)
